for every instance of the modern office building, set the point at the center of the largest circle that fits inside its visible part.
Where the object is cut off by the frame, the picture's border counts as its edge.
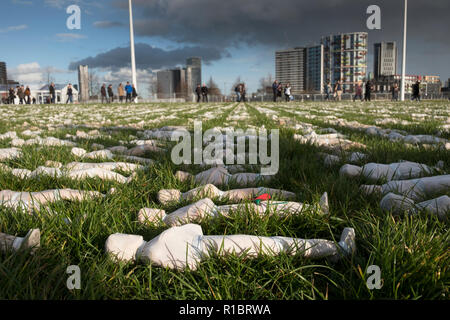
(83, 83)
(3, 73)
(314, 69)
(290, 67)
(385, 59)
(195, 63)
(345, 58)
(165, 82)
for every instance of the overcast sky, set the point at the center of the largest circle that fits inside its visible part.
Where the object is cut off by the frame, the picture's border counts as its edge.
(234, 37)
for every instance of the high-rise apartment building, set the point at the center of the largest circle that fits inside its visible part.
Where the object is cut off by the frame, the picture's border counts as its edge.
(3, 74)
(385, 59)
(345, 58)
(195, 63)
(290, 68)
(83, 83)
(314, 69)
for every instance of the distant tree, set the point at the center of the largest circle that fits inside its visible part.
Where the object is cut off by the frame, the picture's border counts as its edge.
(213, 88)
(265, 82)
(48, 75)
(94, 83)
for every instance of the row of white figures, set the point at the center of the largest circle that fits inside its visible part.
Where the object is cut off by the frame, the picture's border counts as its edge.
(221, 176)
(79, 171)
(205, 208)
(394, 171)
(185, 246)
(29, 201)
(409, 195)
(167, 196)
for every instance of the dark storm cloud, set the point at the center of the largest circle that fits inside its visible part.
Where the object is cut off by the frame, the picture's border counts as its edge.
(283, 22)
(148, 57)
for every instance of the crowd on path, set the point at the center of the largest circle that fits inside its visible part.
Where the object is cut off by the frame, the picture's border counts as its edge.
(128, 93)
(241, 92)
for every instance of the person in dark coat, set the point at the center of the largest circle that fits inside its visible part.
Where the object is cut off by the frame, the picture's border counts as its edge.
(368, 91)
(51, 89)
(103, 93)
(134, 93)
(198, 91)
(275, 90)
(110, 93)
(204, 93)
(416, 91)
(69, 94)
(12, 95)
(28, 95)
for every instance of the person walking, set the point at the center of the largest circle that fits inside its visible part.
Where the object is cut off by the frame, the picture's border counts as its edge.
(134, 93)
(21, 94)
(103, 93)
(328, 91)
(358, 91)
(394, 91)
(338, 90)
(279, 90)
(12, 96)
(287, 92)
(128, 91)
(110, 94)
(237, 90)
(69, 94)
(204, 93)
(275, 90)
(198, 91)
(51, 89)
(416, 91)
(243, 92)
(368, 94)
(28, 95)
(121, 92)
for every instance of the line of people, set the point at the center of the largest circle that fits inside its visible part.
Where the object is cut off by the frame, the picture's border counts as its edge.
(279, 90)
(202, 93)
(24, 95)
(128, 92)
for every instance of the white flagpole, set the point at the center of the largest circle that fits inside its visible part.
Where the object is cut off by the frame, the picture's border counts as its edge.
(402, 92)
(133, 58)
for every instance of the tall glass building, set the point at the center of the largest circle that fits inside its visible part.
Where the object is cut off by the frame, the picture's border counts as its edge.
(345, 58)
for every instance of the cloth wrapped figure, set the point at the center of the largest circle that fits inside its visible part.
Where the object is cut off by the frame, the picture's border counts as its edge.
(415, 189)
(398, 204)
(220, 176)
(206, 208)
(394, 171)
(167, 196)
(31, 241)
(186, 246)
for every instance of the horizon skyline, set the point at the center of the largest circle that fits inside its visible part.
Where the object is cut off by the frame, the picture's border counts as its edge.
(165, 49)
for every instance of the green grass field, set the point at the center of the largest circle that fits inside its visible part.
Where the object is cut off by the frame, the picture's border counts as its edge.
(411, 251)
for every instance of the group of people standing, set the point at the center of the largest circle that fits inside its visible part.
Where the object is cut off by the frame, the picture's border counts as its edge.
(24, 95)
(338, 90)
(278, 91)
(202, 93)
(241, 92)
(128, 92)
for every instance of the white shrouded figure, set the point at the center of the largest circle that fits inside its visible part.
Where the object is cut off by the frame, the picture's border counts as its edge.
(394, 171)
(206, 208)
(398, 204)
(31, 241)
(186, 246)
(221, 176)
(415, 189)
(166, 196)
(29, 201)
